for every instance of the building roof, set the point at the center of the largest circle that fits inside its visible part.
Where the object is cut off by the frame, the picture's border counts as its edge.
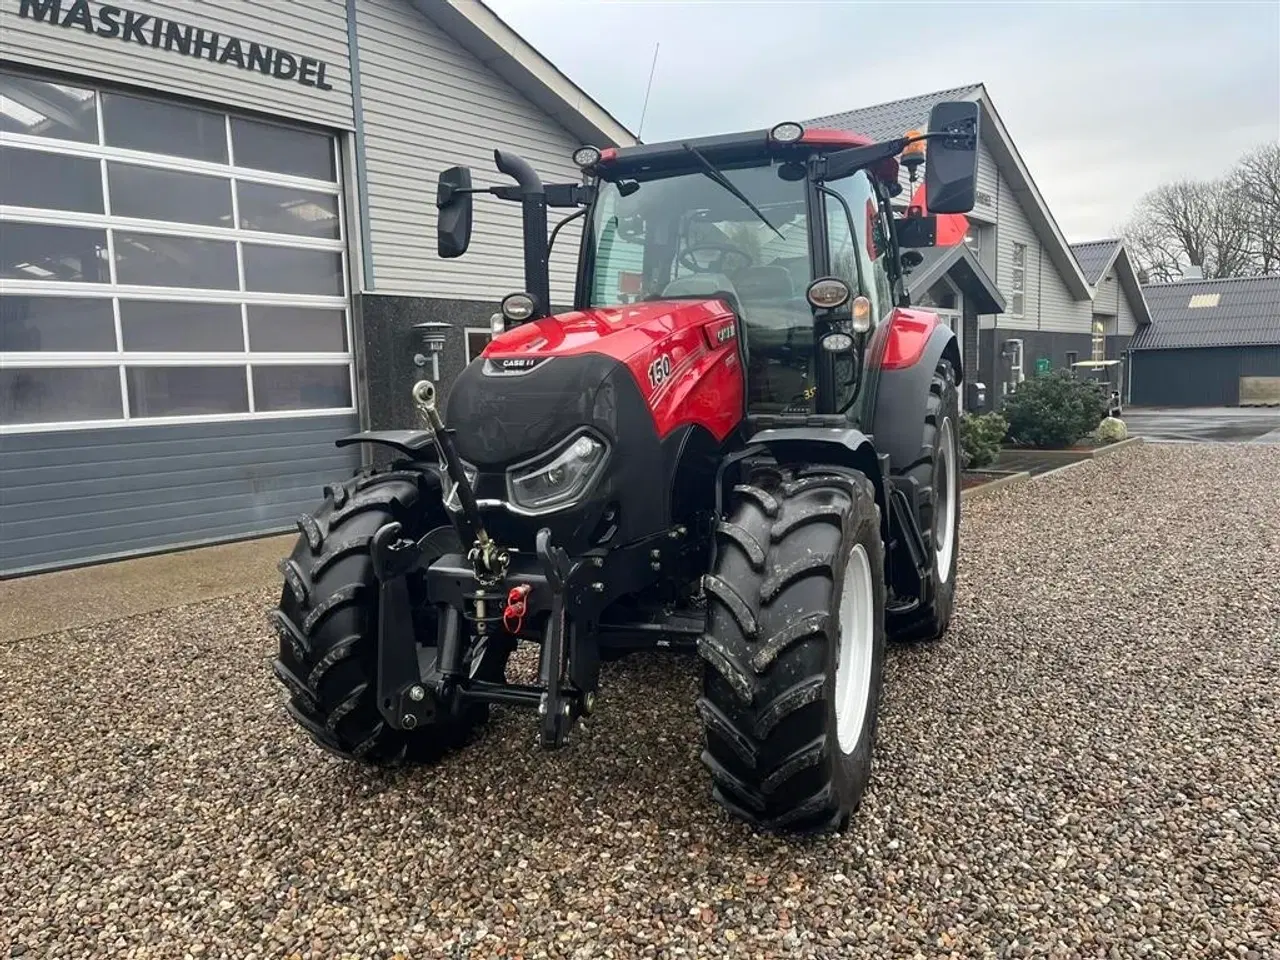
(488, 38)
(959, 263)
(1095, 257)
(887, 120)
(1239, 312)
(892, 119)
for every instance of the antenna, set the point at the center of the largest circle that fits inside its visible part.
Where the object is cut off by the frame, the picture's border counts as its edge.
(645, 109)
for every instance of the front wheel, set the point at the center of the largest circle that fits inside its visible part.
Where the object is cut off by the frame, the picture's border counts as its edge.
(794, 649)
(327, 621)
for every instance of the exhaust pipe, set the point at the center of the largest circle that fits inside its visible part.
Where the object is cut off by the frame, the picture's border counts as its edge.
(533, 201)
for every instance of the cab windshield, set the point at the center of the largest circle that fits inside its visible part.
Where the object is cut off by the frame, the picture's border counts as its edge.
(687, 236)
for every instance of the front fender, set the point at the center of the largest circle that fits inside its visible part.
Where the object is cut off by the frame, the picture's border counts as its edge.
(838, 446)
(902, 398)
(415, 444)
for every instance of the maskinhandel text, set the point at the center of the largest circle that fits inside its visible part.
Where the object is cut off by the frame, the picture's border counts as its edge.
(152, 31)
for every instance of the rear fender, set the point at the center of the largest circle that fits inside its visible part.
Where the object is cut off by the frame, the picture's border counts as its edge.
(836, 446)
(902, 398)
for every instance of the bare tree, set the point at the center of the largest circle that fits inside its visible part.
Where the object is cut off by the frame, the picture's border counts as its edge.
(1229, 227)
(1155, 254)
(1257, 181)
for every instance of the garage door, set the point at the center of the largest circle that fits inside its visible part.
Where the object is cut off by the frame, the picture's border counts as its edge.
(175, 344)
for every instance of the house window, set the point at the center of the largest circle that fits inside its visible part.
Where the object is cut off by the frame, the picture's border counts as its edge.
(161, 262)
(973, 238)
(1018, 279)
(477, 340)
(1099, 338)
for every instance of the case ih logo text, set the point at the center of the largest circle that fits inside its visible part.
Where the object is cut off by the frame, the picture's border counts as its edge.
(517, 363)
(112, 22)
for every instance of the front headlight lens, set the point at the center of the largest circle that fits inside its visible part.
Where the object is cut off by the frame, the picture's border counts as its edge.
(451, 500)
(562, 479)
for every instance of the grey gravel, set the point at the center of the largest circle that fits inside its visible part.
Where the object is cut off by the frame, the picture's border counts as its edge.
(1087, 766)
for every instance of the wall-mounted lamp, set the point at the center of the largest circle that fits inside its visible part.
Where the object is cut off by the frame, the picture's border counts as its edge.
(432, 335)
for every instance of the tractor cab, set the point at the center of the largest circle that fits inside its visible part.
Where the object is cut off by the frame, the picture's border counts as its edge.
(791, 228)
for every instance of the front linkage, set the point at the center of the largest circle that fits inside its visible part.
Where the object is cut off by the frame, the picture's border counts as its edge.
(499, 597)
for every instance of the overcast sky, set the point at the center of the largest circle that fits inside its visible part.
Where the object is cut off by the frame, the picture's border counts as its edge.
(1103, 100)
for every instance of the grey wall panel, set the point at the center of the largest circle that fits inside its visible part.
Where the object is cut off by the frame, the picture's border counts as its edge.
(303, 28)
(1036, 344)
(429, 104)
(1208, 377)
(67, 497)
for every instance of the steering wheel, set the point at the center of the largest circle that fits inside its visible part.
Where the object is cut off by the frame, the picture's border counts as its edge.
(687, 260)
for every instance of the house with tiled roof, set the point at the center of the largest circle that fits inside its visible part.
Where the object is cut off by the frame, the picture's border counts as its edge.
(1210, 343)
(1119, 308)
(1017, 248)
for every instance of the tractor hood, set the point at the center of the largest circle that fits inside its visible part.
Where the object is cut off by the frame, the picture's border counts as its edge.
(603, 368)
(621, 332)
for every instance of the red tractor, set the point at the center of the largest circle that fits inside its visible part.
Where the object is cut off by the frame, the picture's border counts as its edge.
(740, 443)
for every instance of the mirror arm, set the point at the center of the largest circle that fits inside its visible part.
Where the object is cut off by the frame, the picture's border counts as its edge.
(551, 242)
(842, 163)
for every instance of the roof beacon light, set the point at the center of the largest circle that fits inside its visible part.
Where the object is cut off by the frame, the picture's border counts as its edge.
(913, 154)
(788, 132)
(827, 293)
(586, 157)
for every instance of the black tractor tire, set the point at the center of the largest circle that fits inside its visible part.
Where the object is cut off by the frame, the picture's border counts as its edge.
(771, 650)
(327, 621)
(937, 474)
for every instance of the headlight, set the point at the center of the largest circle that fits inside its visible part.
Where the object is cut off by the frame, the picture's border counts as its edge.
(451, 500)
(562, 479)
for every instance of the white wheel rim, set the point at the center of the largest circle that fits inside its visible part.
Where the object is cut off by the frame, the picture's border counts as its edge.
(945, 508)
(857, 632)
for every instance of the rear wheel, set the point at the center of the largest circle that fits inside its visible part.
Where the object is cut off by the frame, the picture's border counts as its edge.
(327, 620)
(794, 649)
(937, 475)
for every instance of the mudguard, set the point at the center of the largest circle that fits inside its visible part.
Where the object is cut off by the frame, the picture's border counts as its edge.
(839, 446)
(417, 444)
(902, 399)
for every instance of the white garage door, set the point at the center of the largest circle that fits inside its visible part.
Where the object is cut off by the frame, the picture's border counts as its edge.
(164, 265)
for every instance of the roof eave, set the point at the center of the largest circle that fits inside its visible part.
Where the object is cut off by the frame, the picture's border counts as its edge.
(1009, 160)
(1133, 289)
(487, 37)
(979, 281)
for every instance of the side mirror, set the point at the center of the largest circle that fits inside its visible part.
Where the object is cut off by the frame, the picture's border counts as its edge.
(453, 212)
(951, 162)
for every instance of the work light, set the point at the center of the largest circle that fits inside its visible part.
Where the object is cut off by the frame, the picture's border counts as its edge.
(788, 132)
(586, 157)
(827, 293)
(517, 307)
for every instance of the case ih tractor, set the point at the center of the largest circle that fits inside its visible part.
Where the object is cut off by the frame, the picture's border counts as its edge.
(740, 442)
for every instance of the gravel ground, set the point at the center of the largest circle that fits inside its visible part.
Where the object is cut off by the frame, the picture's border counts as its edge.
(1087, 765)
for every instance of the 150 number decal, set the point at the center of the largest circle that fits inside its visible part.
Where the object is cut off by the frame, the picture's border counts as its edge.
(659, 370)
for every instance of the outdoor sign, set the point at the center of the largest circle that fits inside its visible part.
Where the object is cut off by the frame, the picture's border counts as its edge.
(111, 22)
(1042, 365)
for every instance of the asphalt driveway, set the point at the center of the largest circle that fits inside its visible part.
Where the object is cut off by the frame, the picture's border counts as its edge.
(1205, 424)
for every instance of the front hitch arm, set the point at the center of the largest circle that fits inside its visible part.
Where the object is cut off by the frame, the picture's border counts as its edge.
(488, 559)
(402, 699)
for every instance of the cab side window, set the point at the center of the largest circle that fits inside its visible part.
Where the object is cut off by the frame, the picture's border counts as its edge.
(861, 251)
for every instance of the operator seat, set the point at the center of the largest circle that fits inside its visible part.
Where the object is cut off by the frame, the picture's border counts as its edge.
(704, 285)
(764, 283)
